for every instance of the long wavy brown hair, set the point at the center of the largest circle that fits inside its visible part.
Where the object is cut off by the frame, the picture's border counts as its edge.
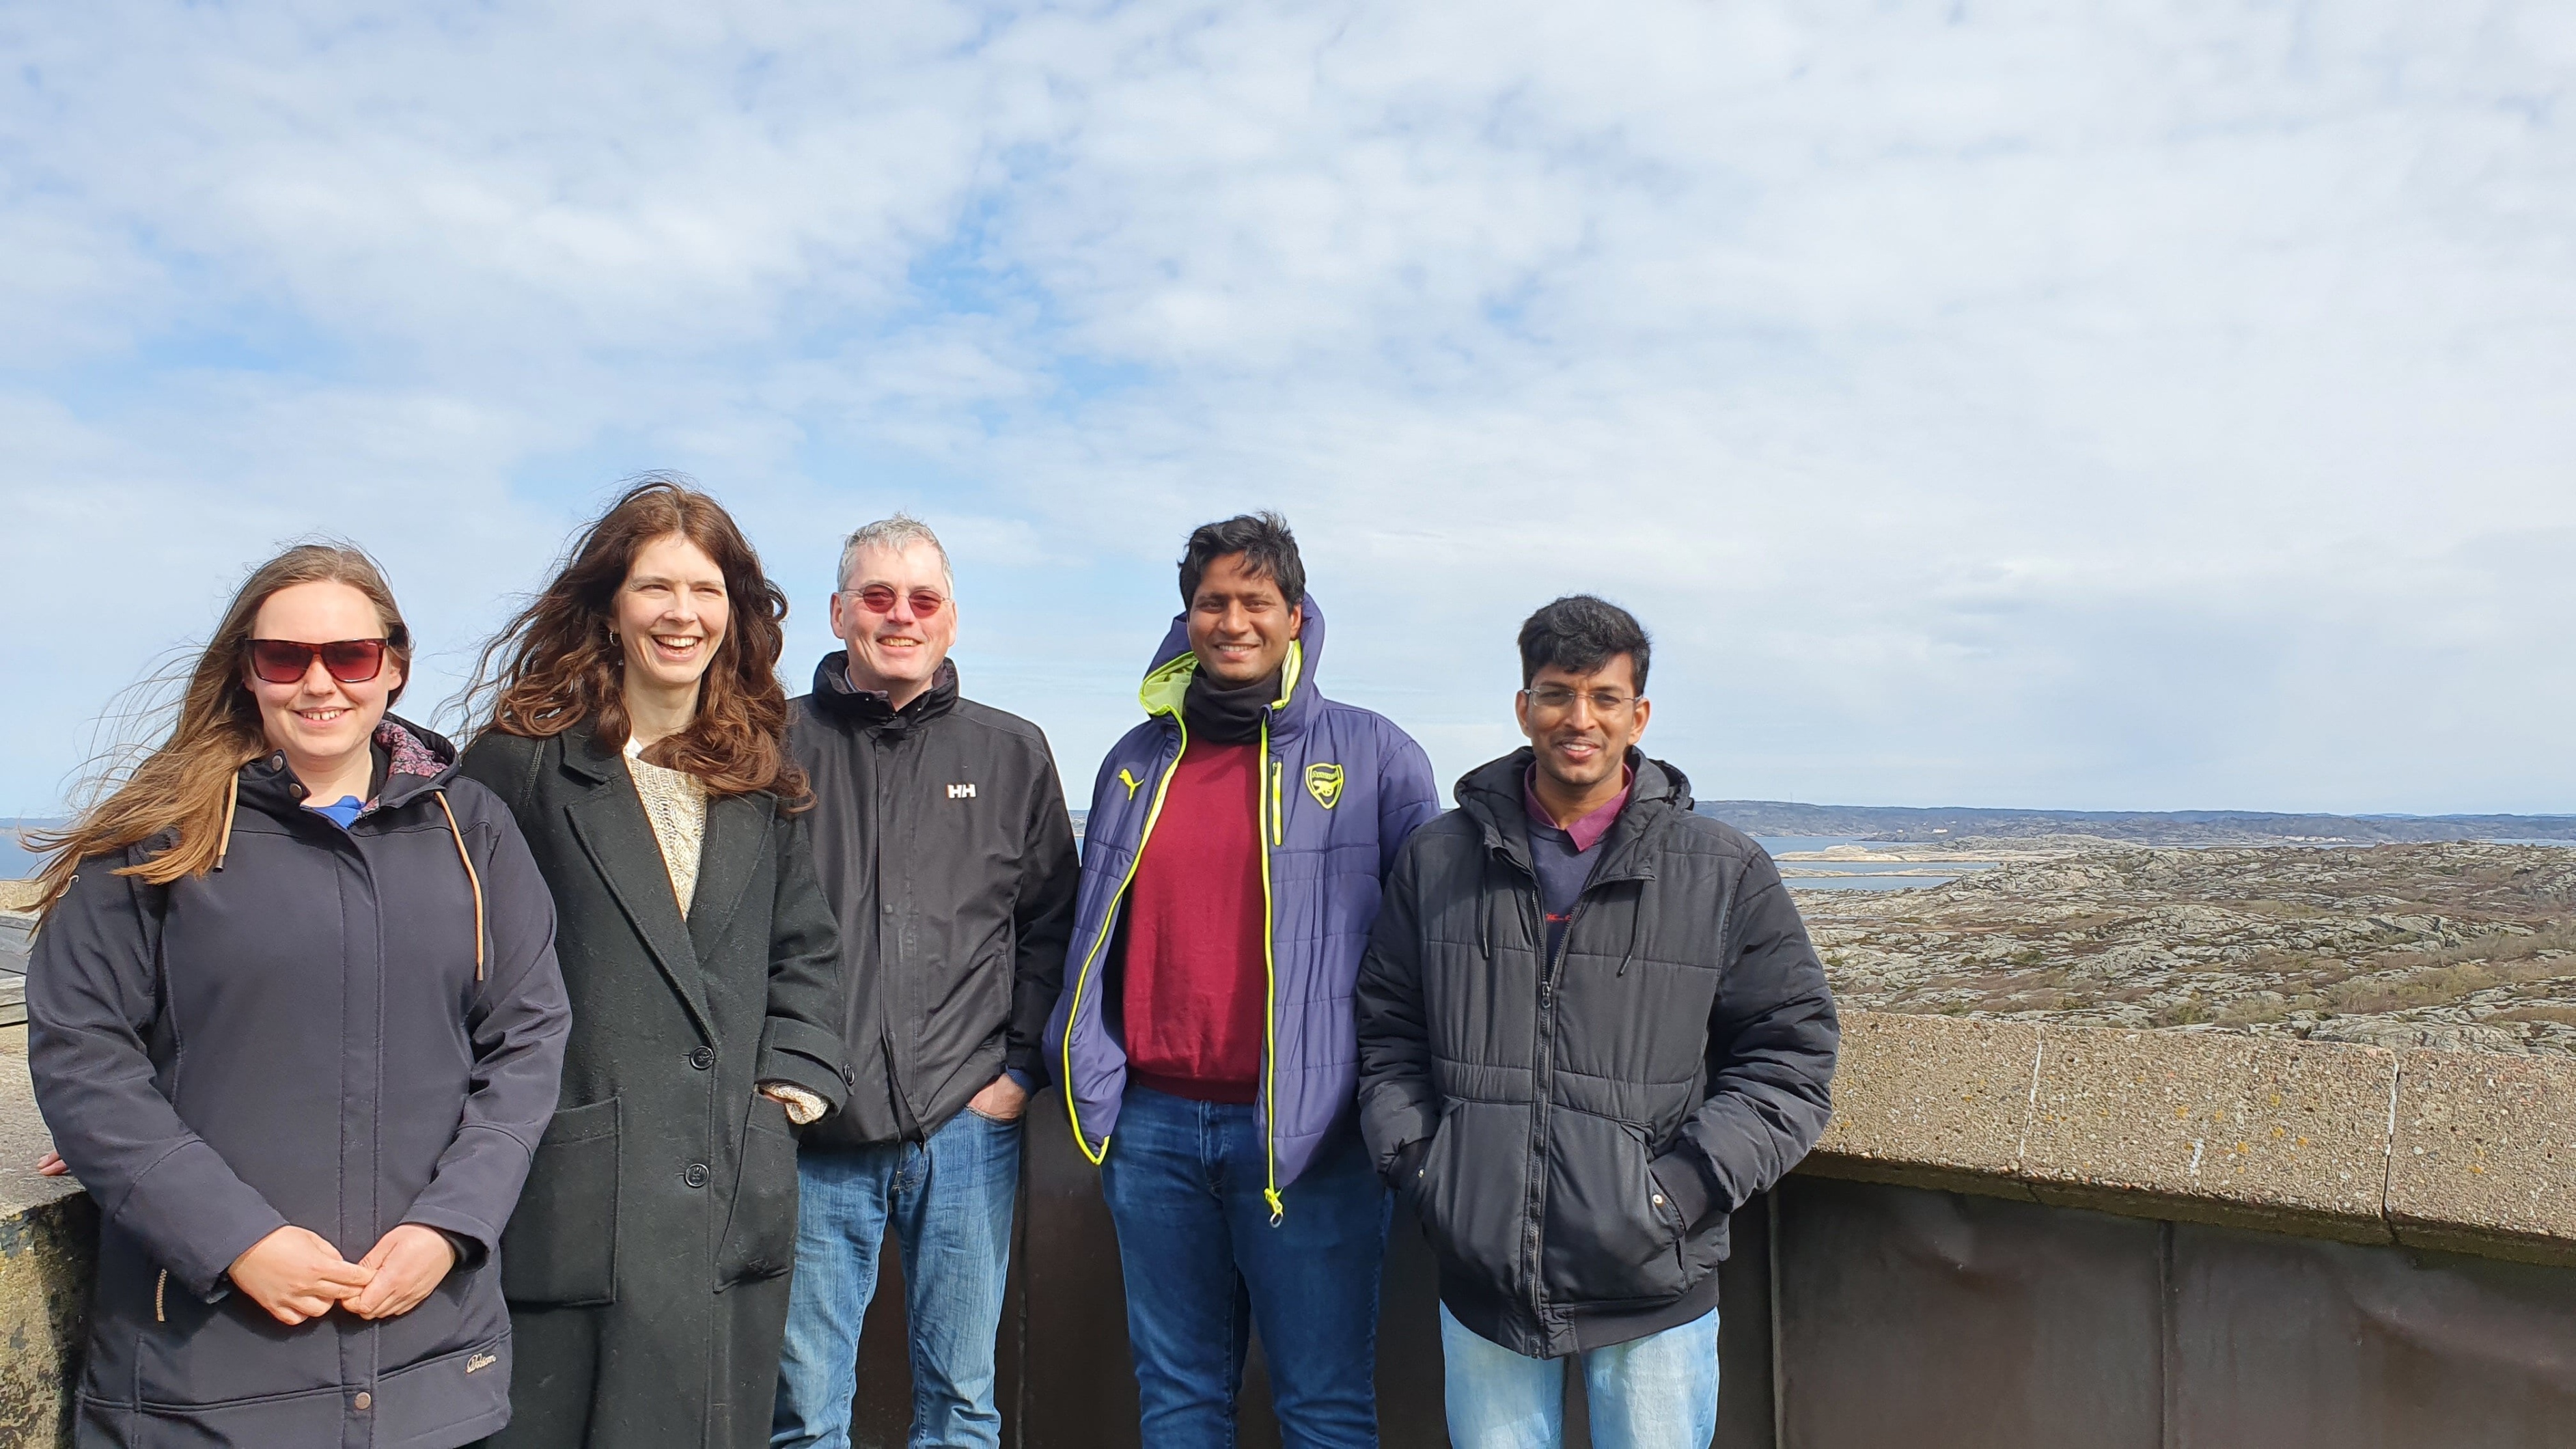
(181, 786)
(554, 666)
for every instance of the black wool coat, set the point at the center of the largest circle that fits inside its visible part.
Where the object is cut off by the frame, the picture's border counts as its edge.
(647, 1265)
(1573, 1131)
(300, 1037)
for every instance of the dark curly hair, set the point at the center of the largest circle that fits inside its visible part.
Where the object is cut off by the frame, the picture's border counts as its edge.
(1269, 551)
(1580, 633)
(554, 666)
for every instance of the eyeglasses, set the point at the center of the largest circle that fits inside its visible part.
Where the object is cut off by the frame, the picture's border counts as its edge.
(284, 661)
(1555, 699)
(879, 599)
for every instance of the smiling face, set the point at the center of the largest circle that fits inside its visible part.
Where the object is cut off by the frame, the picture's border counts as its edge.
(1581, 725)
(898, 616)
(320, 723)
(670, 614)
(1240, 627)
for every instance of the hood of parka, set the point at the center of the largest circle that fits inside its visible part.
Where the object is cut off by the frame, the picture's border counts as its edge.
(1490, 795)
(413, 761)
(869, 709)
(1167, 678)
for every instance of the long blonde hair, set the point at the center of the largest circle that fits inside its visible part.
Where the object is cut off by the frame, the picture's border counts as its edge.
(183, 786)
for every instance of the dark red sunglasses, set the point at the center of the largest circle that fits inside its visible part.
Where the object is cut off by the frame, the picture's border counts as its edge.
(284, 661)
(879, 599)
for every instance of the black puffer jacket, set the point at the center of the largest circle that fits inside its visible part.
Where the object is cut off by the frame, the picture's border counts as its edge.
(1574, 1133)
(941, 837)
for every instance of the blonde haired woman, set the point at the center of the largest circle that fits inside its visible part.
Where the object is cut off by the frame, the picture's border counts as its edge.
(295, 1022)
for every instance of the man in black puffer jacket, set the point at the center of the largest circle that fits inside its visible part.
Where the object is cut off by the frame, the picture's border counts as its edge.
(1590, 1025)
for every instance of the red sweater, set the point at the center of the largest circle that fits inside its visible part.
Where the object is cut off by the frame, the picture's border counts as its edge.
(1196, 985)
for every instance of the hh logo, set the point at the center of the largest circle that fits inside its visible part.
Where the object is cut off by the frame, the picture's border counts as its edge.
(1324, 782)
(961, 792)
(479, 1362)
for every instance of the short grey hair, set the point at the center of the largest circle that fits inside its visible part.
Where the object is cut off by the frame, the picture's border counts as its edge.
(897, 533)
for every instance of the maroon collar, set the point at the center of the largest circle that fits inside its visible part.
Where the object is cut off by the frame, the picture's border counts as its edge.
(1586, 832)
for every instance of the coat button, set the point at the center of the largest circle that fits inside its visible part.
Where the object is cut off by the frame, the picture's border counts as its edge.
(703, 1058)
(364, 1400)
(1659, 1199)
(696, 1176)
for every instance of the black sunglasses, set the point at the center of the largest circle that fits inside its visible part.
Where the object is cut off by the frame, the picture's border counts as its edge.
(284, 661)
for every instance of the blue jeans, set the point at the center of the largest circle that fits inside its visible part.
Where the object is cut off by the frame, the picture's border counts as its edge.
(1204, 1266)
(1656, 1392)
(950, 1202)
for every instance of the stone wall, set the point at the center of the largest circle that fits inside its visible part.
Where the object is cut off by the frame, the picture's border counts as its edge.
(48, 1239)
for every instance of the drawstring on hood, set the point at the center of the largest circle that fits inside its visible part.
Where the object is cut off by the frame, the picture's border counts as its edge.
(232, 806)
(474, 879)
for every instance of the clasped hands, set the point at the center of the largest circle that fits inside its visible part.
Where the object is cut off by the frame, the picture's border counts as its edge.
(296, 1274)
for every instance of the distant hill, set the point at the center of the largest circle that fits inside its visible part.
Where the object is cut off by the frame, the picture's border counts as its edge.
(2142, 827)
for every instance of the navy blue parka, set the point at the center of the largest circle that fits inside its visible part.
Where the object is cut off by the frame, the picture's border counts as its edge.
(311, 1034)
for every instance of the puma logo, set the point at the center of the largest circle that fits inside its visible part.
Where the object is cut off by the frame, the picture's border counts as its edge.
(480, 1362)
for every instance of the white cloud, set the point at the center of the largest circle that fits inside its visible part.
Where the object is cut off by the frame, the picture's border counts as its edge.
(1983, 403)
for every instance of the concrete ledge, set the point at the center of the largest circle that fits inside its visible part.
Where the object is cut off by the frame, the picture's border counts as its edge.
(2483, 1158)
(1930, 1101)
(2459, 1151)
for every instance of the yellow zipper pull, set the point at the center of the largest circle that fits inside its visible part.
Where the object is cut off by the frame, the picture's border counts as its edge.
(1278, 1209)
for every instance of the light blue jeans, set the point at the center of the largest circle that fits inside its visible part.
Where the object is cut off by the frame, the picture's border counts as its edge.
(1656, 1392)
(950, 1202)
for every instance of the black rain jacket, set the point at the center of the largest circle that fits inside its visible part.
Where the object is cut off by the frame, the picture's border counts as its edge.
(298, 1037)
(1573, 1133)
(941, 836)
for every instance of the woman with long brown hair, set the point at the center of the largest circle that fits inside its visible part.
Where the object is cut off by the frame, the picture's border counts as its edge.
(637, 727)
(297, 1213)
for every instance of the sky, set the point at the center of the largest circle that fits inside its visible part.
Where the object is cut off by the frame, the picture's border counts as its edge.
(2124, 405)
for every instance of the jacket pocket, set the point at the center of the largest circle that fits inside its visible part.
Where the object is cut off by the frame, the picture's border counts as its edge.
(1471, 1188)
(1612, 1233)
(560, 1248)
(760, 1234)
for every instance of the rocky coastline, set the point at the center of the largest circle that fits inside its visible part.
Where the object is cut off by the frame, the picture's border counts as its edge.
(2454, 945)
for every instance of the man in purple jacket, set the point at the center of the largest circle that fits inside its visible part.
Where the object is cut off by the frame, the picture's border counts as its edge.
(1231, 869)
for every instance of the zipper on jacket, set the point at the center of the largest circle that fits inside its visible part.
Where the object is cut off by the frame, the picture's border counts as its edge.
(1109, 924)
(1278, 809)
(1551, 970)
(1262, 829)
(159, 1287)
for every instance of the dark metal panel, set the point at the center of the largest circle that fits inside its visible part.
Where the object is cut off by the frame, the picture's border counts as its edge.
(2282, 1341)
(1925, 1320)
(1067, 1382)
(1080, 1388)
